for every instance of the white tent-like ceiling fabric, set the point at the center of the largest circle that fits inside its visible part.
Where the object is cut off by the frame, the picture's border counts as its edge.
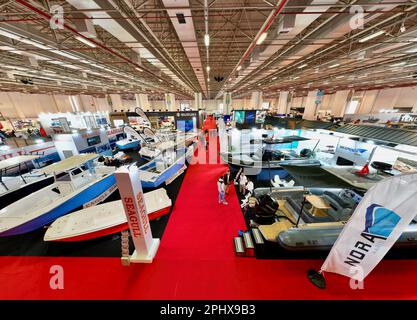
(157, 46)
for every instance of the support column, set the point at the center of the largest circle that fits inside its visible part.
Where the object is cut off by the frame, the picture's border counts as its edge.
(142, 101)
(339, 104)
(310, 108)
(77, 104)
(256, 100)
(170, 101)
(198, 100)
(282, 102)
(117, 102)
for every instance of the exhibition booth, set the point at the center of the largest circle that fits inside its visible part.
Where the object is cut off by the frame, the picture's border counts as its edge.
(107, 185)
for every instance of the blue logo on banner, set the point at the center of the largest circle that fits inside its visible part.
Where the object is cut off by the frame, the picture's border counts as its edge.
(380, 221)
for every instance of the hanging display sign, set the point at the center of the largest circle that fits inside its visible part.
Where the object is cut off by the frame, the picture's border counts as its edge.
(378, 221)
(130, 188)
(319, 96)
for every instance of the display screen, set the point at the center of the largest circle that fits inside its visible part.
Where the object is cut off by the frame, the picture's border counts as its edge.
(185, 125)
(250, 117)
(260, 116)
(93, 140)
(239, 116)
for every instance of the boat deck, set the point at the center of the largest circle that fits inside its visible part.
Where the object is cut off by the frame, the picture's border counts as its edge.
(271, 232)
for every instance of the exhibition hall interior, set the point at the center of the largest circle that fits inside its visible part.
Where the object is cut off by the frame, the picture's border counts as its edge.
(208, 150)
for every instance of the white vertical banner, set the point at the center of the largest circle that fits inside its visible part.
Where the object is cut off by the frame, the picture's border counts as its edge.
(256, 100)
(170, 101)
(130, 188)
(198, 100)
(377, 223)
(227, 102)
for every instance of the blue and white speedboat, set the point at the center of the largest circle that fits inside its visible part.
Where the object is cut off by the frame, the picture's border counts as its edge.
(164, 168)
(68, 193)
(132, 141)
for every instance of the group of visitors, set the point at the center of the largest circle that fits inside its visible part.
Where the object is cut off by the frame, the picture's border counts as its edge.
(246, 186)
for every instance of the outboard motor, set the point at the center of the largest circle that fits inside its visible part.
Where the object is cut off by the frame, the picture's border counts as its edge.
(265, 209)
(267, 156)
(306, 153)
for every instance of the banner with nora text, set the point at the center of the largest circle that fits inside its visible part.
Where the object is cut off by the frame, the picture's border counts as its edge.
(381, 217)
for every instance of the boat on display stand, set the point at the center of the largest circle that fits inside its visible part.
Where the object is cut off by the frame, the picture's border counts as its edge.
(166, 142)
(164, 168)
(104, 219)
(310, 218)
(14, 187)
(69, 192)
(133, 139)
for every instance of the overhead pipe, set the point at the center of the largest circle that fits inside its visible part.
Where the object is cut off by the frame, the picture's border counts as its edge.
(48, 17)
(206, 34)
(221, 8)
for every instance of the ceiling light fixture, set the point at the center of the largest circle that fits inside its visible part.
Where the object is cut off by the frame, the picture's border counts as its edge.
(207, 40)
(208, 68)
(139, 69)
(261, 38)
(302, 66)
(334, 65)
(413, 50)
(85, 41)
(239, 68)
(371, 36)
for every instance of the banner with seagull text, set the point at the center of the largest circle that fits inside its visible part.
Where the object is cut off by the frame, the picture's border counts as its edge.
(381, 217)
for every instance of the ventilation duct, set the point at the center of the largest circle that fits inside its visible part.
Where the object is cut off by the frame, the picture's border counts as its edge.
(84, 26)
(286, 24)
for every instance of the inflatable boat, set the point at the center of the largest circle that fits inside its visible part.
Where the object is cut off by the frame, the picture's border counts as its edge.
(312, 218)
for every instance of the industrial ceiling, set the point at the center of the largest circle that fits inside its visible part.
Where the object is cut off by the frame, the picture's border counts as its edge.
(209, 46)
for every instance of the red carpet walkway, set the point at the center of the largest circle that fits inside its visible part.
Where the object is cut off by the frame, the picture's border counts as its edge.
(196, 261)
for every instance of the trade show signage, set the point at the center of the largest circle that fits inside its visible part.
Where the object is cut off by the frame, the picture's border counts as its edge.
(130, 188)
(357, 152)
(377, 223)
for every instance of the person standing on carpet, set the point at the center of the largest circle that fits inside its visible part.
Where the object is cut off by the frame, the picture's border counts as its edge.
(242, 183)
(221, 189)
(227, 181)
(249, 187)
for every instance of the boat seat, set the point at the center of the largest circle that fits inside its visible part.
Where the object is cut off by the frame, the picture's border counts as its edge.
(336, 199)
(65, 189)
(277, 183)
(290, 184)
(293, 208)
(305, 214)
(160, 166)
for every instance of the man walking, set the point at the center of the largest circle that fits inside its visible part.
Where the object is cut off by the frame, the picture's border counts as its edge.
(221, 189)
(242, 183)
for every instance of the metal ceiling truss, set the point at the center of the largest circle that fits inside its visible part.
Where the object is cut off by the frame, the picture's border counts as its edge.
(298, 64)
